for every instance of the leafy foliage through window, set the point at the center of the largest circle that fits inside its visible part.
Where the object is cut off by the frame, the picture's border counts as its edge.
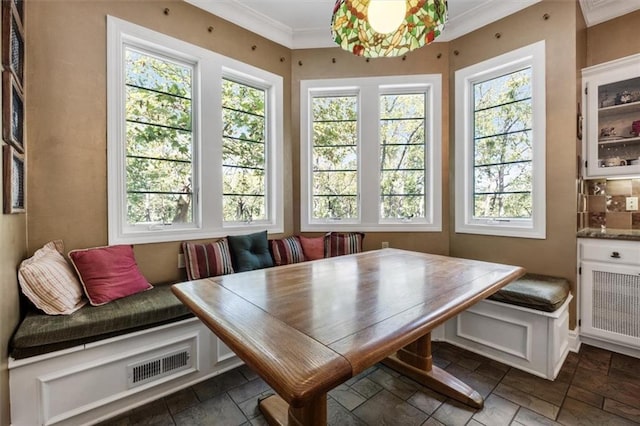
(371, 160)
(243, 157)
(503, 146)
(335, 157)
(159, 139)
(402, 162)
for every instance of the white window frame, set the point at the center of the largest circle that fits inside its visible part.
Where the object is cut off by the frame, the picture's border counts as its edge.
(209, 69)
(529, 56)
(369, 90)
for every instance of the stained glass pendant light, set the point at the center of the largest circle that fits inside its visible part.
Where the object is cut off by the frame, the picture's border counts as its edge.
(379, 28)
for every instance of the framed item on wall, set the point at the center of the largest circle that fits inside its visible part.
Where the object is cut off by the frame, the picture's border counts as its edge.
(12, 112)
(14, 181)
(13, 39)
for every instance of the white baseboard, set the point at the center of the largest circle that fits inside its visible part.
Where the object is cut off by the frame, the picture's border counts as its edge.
(574, 341)
(614, 347)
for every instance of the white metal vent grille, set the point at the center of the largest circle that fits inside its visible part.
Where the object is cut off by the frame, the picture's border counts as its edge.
(616, 303)
(160, 366)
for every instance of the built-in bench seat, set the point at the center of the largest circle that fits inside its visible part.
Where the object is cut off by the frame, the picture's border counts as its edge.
(39, 333)
(525, 325)
(101, 360)
(91, 365)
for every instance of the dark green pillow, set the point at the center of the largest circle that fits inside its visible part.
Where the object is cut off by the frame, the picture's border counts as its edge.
(250, 252)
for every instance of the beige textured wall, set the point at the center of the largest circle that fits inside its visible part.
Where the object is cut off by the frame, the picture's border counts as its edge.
(12, 251)
(13, 248)
(613, 39)
(555, 255)
(67, 113)
(319, 63)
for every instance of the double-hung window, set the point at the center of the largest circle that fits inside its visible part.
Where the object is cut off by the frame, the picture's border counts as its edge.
(500, 145)
(194, 140)
(371, 154)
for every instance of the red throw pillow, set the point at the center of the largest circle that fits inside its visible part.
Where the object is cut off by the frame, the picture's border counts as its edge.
(313, 248)
(108, 273)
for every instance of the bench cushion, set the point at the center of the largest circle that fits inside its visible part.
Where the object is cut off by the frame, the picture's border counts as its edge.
(39, 333)
(540, 292)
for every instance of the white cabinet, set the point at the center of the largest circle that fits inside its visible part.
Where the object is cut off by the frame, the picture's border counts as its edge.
(611, 108)
(610, 292)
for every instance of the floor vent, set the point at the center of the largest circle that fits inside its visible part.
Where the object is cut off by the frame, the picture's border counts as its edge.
(152, 369)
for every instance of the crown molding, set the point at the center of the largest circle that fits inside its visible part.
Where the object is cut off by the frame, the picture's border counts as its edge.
(598, 11)
(249, 19)
(483, 14)
(246, 17)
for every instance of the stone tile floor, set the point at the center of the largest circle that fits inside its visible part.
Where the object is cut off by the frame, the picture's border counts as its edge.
(594, 387)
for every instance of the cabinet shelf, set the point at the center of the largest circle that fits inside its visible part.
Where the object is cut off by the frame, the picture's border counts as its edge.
(619, 109)
(600, 83)
(620, 141)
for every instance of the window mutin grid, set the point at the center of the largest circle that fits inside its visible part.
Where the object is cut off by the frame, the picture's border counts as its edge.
(244, 152)
(335, 157)
(502, 144)
(403, 121)
(159, 139)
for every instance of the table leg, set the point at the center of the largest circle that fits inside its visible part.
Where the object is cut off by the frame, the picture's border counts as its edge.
(415, 361)
(278, 413)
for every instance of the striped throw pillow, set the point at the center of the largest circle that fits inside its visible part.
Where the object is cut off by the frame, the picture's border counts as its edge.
(207, 260)
(286, 251)
(338, 243)
(49, 282)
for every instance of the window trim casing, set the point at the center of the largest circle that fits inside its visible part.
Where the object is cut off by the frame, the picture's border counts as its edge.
(532, 56)
(369, 90)
(207, 144)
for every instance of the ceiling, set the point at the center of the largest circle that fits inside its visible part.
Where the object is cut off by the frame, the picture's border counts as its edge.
(302, 24)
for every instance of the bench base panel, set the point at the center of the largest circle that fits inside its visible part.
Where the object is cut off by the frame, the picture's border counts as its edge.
(530, 340)
(90, 383)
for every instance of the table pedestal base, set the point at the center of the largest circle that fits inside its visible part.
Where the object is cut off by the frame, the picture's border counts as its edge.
(415, 361)
(278, 413)
(438, 380)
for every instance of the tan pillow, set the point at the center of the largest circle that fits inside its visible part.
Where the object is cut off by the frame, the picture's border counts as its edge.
(50, 282)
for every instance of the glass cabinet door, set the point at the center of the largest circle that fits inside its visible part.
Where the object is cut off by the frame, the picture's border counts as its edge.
(612, 100)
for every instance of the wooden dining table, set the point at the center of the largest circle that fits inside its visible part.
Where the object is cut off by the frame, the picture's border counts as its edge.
(308, 327)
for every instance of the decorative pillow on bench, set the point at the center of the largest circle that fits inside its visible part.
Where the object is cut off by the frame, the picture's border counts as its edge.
(49, 282)
(313, 247)
(207, 260)
(250, 251)
(341, 243)
(287, 251)
(108, 273)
